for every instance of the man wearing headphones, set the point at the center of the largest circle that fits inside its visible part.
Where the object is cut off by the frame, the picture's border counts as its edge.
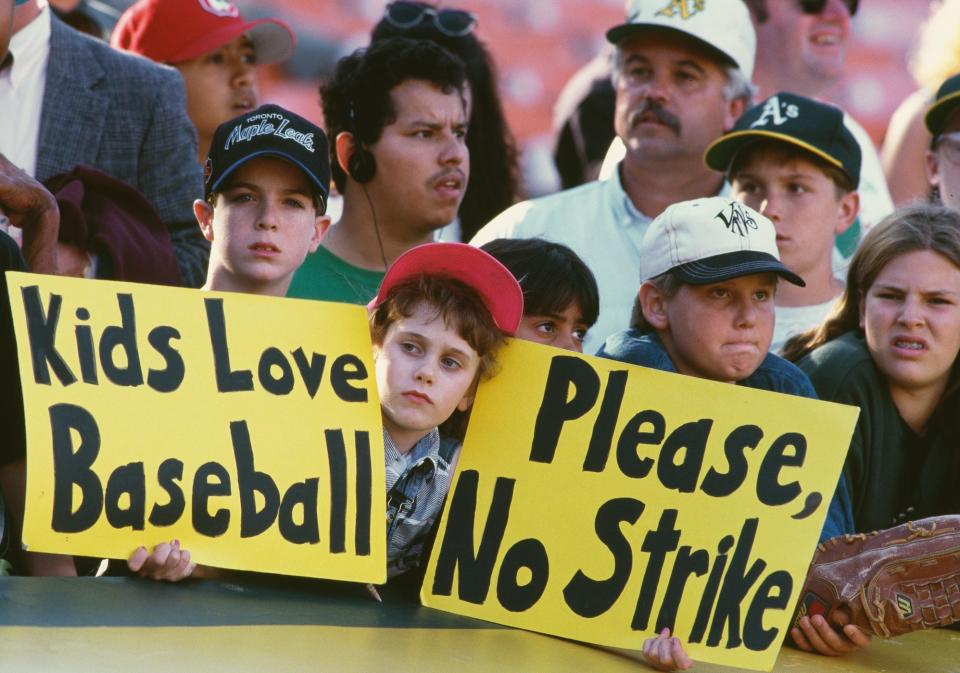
(397, 114)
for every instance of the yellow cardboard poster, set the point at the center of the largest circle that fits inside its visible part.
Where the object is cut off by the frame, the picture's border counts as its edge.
(602, 502)
(247, 427)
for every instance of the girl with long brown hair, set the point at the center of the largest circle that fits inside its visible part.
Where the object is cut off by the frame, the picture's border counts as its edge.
(890, 348)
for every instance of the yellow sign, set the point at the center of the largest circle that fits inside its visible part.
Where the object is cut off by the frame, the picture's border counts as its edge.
(602, 502)
(247, 427)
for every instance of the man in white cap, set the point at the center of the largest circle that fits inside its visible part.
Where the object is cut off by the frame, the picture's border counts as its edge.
(682, 77)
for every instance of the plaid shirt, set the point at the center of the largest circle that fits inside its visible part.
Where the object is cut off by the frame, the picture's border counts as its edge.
(417, 484)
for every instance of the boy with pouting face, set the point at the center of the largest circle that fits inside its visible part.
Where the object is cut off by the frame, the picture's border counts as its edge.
(706, 308)
(266, 194)
(436, 323)
(794, 160)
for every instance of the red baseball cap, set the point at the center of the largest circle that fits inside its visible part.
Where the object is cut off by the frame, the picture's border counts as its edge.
(173, 31)
(496, 286)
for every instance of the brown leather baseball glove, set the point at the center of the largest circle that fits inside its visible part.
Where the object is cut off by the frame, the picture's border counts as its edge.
(889, 582)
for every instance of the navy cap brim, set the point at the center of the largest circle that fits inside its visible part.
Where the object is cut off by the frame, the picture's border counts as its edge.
(733, 265)
(280, 155)
(940, 112)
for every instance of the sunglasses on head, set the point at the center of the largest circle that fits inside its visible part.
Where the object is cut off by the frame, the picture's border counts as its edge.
(816, 6)
(451, 22)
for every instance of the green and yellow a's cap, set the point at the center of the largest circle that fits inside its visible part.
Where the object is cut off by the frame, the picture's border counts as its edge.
(816, 127)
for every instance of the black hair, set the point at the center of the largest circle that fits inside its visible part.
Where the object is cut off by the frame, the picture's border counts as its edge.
(551, 275)
(356, 98)
(493, 152)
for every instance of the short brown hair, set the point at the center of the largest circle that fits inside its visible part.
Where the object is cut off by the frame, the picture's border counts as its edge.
(457, 303)
(788, 152)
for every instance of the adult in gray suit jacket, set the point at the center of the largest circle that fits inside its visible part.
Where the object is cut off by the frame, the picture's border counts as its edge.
(125, 116)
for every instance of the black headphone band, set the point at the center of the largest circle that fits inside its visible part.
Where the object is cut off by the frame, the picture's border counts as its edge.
(362, 165)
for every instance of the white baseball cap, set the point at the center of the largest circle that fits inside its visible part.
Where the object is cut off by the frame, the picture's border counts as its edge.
(710, 240)
(722, 25)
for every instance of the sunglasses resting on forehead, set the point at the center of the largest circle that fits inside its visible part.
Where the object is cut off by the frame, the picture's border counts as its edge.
(451, 22)
(817, 6)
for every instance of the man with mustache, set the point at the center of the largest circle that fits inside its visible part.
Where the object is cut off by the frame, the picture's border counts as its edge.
(397, 115)
(681, 73)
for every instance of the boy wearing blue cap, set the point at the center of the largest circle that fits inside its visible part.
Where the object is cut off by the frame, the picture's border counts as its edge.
(267, 181)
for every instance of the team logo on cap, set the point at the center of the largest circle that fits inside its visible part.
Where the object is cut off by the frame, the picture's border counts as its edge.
(736, 219)
(220, 7)
(263, 124)
(776, 112)
(683, 8)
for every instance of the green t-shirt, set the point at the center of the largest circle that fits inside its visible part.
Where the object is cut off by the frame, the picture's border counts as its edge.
(326, 277)
(894, 474)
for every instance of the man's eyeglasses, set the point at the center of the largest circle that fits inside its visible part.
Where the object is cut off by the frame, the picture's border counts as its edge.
(451, 22)
(816, 6)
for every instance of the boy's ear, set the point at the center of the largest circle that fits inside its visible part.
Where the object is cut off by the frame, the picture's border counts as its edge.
(847, 210)
(320, 226)
(654, 305)
(203, 211)
(345, 146)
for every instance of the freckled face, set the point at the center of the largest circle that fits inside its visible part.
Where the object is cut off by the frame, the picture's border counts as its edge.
(425, 371)
(261, 228)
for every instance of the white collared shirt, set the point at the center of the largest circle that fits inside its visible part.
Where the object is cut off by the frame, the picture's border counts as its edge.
(599, 222)
(21, 92)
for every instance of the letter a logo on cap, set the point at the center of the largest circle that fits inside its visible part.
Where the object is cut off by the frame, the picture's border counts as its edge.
(682, 8)
(220, 7)
(777, 112)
